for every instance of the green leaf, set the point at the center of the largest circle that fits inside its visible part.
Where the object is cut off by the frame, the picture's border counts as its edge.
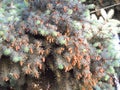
(16, 59)
(111, 70)
(26, 3)
(96, 44)
(42, 31)
(83, 0)
(116, 63)
(60, 66)
(7, 52)
(2, 10)
(70, 11)
(26, 49)
(13, 12)
(87, 14)
(77, 25)
(61, 41)
(106, 77)
(1, 40)
(38, 22)
(54, 33)
(1, 33)
(11, 18)
(47, 12)
(91, 6)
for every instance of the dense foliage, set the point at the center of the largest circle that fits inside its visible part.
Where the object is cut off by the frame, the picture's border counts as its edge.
(60, 36)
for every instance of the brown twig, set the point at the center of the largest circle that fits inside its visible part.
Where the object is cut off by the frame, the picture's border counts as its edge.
(105, 8)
